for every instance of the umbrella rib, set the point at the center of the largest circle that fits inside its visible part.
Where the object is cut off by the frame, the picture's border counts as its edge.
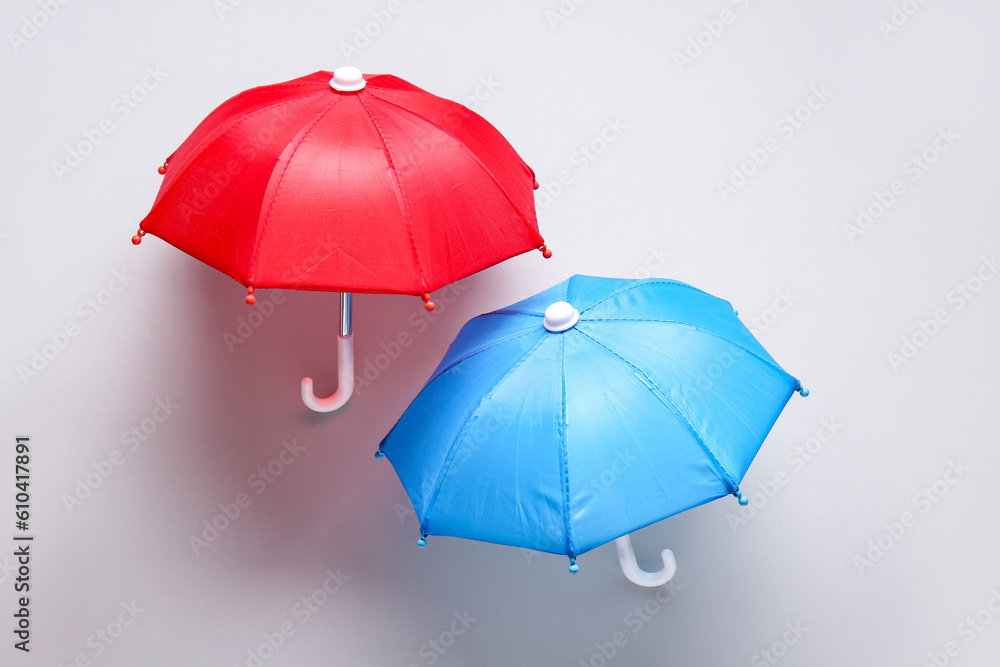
(663, 398)
(508, 311)
(453, 450)
(400, 195)
(301, 137)
(475, 157)
(564, 473)
(494, 343)
(709, 332)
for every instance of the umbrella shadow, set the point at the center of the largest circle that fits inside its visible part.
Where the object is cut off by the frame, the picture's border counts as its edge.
(316, 494)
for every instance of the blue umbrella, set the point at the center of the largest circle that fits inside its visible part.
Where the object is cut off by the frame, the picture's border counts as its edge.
(584, 413)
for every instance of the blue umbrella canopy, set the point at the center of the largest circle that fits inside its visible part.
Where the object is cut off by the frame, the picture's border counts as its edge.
(586, 412)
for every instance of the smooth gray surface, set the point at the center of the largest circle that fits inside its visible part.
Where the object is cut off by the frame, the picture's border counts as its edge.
(649, 199)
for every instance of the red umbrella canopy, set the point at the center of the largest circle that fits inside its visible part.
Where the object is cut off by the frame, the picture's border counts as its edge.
(359, 183)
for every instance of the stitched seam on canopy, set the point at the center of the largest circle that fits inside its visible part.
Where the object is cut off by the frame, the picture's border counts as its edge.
(453, 450)
(570, 547)
(688, 325)
(225, 129)
(646, 283)
(482, 165)
(401, 196)
(377, 83)
(303, 135)
(508, 311)
(663, 398)
(469, 355)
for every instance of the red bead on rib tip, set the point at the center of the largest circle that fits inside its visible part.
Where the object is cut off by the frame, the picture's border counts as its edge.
(137, 239)
(428, 304)
(546, 253)
(251, 299)
(534, 185)
(162, 169)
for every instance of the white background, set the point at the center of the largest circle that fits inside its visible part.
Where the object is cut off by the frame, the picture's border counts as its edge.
(551, 83)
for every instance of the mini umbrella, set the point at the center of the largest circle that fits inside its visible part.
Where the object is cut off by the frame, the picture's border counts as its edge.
(355, 183)
(584, 413)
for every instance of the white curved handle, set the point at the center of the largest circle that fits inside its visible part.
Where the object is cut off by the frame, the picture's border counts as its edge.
(345, 379)
(630, 568)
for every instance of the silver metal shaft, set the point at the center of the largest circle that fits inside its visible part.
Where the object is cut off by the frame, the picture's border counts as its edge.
(345, 314)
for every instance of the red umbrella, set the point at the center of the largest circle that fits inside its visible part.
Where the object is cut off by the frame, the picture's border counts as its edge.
(355, 183)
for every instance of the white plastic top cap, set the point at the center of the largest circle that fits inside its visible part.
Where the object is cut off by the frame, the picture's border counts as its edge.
(347, 79)
(561, 316)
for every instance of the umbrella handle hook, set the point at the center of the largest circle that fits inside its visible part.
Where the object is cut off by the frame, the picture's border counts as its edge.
(631, 570)
(345, 366)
